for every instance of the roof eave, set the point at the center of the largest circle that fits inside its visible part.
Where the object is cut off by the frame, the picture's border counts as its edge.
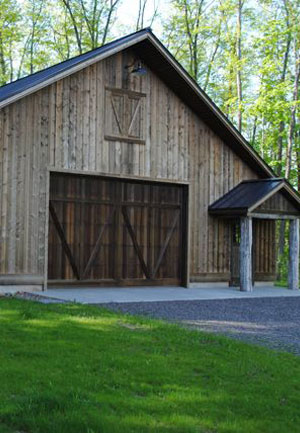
(228, 212)
(101, 56)
(210, 104)
(134, 40)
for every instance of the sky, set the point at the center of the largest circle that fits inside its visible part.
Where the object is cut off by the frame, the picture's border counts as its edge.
(127, 13)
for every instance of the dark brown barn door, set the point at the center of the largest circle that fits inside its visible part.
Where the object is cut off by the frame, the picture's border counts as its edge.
(108, 231)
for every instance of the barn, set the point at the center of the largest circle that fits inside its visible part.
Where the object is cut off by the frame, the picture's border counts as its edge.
(116, 169)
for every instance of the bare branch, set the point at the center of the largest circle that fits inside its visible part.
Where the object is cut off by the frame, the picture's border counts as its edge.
(74, 23)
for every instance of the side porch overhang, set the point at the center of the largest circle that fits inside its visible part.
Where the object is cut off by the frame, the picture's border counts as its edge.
(272, 198)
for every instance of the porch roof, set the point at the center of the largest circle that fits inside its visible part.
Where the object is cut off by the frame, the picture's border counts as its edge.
(248, 195)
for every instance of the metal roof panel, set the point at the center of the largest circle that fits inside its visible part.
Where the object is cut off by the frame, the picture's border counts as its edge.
(246, 195)
(156, 56)
(18, 86)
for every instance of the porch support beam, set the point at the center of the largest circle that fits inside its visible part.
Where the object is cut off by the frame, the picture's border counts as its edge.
(293, 277)
(270, 216)
(246, 255)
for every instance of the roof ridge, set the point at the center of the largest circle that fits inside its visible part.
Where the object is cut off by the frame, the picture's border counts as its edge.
(144, 40)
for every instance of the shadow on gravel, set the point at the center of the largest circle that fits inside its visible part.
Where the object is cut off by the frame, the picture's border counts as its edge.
(270, 322)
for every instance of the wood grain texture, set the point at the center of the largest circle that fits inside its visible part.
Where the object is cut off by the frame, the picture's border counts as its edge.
(277, 204)
(293, 276)
(62, 127)
(114, 221)
(246, 255)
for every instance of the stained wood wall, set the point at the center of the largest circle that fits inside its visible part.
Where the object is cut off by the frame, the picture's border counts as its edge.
(264, 245)
(62, 127)
(277, 204)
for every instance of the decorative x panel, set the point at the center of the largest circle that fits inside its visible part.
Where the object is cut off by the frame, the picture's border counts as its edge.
(150, 274)
(124, 116)
(67, 250)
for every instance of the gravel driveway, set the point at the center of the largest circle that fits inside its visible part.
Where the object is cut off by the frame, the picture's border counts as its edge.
(271, 322)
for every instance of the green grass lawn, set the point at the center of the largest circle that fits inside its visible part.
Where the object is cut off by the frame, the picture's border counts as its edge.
(79, 369)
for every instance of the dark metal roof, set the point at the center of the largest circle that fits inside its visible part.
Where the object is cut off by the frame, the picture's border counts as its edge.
(158, 58)
(247, 194)
(18, 86)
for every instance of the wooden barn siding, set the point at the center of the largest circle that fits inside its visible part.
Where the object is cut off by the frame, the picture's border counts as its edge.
(215, 169)
(62, 127)
(277, 203)
(264, 249)
(23, 161)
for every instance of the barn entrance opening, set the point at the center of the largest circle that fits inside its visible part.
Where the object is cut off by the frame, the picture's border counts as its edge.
(107, 231)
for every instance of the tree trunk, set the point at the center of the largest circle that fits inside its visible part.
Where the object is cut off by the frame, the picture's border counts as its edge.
(74, 23)
(298, 170)
(253, 137)
(290, 143)
(2, 62)
(283, 76)
(292, 119)
(280, 148)
(212, 58)
(141, 15)
(112, 7)
(239, 58)
(192, 30)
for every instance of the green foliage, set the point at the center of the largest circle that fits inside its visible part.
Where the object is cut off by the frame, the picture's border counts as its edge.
(270, 52)
(74, 368)
(243, 53)
(10, 35)
(35, 34)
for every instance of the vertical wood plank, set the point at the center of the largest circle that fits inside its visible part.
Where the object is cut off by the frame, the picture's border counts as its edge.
(293, 277)
(1, 186)
(178, 146)
(42, 175)
(246, 255)
(11, 225)
(92, 119)
(59, 124)
(79, 123)
(100, 116)
(85, 120)
(73, 121)
(52, 126)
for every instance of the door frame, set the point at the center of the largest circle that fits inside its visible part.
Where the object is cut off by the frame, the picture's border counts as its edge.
(185, 215)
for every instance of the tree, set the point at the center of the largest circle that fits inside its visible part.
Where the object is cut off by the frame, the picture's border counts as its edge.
(10, 36)
(34, 53)
(140, 20)
(239, 86)
(90, 20)
(207, 37)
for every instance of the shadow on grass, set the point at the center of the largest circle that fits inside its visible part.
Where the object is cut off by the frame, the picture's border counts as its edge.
(71, 368)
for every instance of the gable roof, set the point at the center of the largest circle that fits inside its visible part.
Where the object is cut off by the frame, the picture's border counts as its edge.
(14, 90)
(155, 55)
(250, 194)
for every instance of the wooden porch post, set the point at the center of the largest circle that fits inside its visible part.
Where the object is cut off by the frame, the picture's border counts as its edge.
(293, 278)
(246, 255)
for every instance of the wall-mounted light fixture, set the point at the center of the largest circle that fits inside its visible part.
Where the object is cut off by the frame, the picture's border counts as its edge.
(137, 68)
